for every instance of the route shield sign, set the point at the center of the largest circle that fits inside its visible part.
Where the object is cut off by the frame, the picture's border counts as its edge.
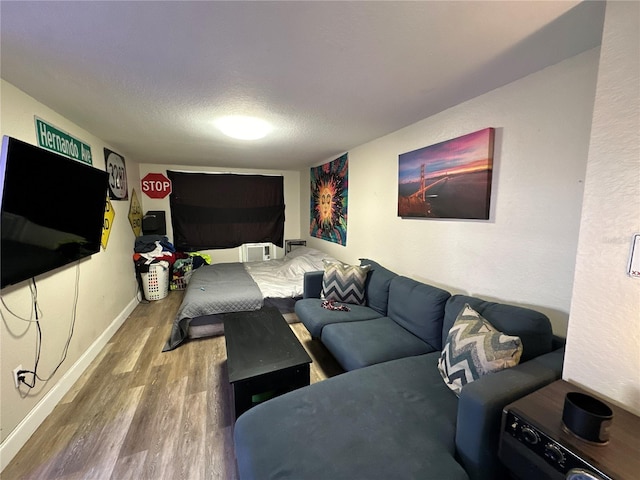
(117, 175)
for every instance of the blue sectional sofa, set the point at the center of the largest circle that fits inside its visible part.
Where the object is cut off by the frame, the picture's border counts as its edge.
(391, 415)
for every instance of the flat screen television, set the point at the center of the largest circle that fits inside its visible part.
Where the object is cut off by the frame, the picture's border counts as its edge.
(52, 210)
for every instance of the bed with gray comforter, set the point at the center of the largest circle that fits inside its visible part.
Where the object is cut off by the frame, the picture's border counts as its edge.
(214, 290)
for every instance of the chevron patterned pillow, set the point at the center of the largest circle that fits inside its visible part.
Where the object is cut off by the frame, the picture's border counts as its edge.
(344, 283)
(475, 348)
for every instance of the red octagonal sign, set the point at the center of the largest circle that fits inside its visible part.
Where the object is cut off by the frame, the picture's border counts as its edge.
(156, 185)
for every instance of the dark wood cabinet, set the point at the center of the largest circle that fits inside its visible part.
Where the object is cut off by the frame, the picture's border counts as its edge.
(534, 444)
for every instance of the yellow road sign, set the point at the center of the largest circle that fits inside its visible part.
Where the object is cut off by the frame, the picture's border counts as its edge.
(135, 214)
(109, 215)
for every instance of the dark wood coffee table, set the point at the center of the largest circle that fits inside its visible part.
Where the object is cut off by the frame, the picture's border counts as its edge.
(264, 357)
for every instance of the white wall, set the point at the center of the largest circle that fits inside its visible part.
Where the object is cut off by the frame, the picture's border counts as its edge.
(603, 343)
(525, 253)
(291, 196)
(107, 293)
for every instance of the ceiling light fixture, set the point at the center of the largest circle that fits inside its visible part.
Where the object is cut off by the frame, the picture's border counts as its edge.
(243, 128)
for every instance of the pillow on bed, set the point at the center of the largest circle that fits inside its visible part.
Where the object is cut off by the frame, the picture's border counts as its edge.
(344, 283)
(474, 348)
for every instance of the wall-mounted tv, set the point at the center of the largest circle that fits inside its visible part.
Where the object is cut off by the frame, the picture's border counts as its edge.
(52, 210)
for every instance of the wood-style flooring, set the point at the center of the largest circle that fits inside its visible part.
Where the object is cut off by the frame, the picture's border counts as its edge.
(138, 413)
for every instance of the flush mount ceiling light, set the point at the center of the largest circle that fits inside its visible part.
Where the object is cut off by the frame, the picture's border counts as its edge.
(243, 128)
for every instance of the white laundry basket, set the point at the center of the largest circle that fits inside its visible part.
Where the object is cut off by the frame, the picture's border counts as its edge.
(155, 283)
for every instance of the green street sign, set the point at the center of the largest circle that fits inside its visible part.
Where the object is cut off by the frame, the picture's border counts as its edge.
(56, 140)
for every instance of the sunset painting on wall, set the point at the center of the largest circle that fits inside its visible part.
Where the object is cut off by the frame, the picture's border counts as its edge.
(451, 179)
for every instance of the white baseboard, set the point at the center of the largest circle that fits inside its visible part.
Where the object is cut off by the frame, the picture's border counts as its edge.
(19, 436)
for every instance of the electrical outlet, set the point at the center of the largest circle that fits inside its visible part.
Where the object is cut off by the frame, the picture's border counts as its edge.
(16, 380)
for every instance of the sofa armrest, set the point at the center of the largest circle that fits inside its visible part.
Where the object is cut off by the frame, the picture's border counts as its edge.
(312, 284)
(558, 342)
(480, 411)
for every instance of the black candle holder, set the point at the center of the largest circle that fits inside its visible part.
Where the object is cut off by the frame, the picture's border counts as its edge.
(587, 418)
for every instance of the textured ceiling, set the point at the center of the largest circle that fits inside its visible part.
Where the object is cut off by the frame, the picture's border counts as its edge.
(150, 78)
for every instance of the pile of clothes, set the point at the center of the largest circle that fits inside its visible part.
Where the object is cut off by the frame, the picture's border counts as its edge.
(152, 249)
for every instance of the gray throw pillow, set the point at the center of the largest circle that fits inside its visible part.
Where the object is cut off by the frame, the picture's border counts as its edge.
(475, 348)
(344, 283)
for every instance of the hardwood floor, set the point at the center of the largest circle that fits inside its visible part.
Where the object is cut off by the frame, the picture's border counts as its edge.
(138, 413)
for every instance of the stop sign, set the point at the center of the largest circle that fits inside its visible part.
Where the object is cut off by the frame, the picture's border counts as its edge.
(156, 185)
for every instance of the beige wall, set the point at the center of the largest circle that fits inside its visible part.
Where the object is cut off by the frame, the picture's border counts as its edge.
(106, 292)
(603, 343)
(291, 196)
(525, 253)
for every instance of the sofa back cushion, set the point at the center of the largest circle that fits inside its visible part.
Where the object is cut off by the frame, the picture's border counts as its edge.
(377, 288)
(419, 308)
(533, 328)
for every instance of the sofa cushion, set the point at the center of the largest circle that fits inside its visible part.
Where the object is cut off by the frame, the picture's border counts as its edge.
(377, 288)
(392, 420)
(314, 317)
(533, 328)
(475, 348)
(419, 308)
(344, 283)
(359, 344)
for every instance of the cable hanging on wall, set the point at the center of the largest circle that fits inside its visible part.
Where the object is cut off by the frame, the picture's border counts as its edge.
(37, 313)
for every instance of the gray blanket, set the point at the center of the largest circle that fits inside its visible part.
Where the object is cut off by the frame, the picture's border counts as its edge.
(213, 289)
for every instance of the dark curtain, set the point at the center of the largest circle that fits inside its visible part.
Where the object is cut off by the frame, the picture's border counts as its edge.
(211, 211)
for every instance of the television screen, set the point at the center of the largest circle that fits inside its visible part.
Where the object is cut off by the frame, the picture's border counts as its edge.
(52, 210)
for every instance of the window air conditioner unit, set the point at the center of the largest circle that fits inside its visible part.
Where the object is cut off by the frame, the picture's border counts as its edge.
(255, 252)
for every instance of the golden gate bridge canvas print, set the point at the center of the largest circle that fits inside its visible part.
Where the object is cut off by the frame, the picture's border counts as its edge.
(451, 179)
